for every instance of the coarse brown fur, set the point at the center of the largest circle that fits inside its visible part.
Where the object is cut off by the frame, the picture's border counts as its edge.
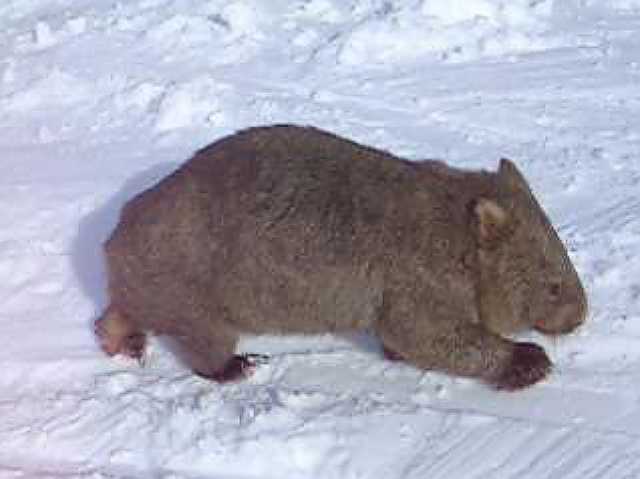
(288, 229)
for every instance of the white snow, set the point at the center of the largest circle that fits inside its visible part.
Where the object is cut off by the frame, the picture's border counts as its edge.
(455, 30)
(99, 100)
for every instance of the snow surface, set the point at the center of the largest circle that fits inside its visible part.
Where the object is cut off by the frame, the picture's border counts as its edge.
(100, 99)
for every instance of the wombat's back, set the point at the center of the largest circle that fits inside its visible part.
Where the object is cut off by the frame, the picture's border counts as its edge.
(282, 228)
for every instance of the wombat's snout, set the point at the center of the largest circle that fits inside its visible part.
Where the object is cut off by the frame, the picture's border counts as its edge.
(565, 320)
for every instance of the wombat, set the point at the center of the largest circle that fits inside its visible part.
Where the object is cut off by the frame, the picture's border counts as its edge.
(289, 229)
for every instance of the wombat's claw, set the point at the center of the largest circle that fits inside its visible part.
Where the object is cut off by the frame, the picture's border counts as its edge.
(133, 346)
(529, 364)
(238, 367)
(256, 358)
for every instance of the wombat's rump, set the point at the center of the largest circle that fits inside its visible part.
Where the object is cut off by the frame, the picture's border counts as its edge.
(287, 229)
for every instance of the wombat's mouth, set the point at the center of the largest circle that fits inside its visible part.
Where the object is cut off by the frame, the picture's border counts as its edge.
(555, 330)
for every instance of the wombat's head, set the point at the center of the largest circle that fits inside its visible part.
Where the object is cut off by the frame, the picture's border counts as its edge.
(526, 277)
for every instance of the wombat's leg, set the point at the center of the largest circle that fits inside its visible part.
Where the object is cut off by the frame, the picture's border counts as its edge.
(118, 335)
(468, 350)
(529, 364)
(214, 358)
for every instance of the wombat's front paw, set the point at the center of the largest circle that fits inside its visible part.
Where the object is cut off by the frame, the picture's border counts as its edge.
(238, 367)
(529, 364)
(391, 355)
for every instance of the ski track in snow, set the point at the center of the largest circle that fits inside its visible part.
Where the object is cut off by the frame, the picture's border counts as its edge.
(99, 100)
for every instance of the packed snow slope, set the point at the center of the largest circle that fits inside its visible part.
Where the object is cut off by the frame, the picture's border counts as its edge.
(100, 99)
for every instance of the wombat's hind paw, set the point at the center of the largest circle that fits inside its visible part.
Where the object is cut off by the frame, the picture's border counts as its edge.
(238, 367)
(133, 346)
(529, 364)
(117, 336)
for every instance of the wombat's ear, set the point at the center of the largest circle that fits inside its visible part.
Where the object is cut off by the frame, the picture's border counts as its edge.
(510, 175)
(492, 221)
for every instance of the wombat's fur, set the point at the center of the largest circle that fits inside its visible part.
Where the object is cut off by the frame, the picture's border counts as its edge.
(286, 229)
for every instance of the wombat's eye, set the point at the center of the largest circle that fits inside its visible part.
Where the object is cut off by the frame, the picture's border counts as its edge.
(554, 290)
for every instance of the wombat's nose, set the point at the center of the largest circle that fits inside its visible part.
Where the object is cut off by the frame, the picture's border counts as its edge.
(565, 320)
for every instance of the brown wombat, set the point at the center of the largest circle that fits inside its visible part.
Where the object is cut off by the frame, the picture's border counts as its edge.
(288, 229)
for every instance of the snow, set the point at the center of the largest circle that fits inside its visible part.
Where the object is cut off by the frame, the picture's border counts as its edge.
(99, 100)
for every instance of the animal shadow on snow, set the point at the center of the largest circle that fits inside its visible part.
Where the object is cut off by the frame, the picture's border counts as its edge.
(95, 228)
